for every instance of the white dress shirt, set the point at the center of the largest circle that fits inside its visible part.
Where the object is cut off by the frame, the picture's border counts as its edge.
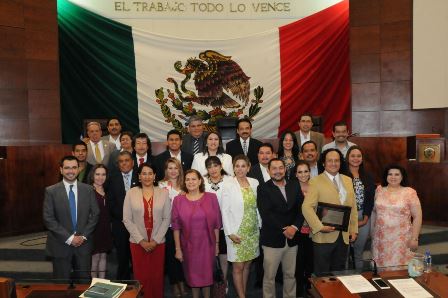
(265, 173)
(115, 141)
(247, 144)
(75, 191)
(304, 138)
(178, 156)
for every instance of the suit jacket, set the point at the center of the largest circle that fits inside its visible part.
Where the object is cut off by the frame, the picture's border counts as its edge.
(277, 213)
(108, 149)
(149, 159)
(133, 212)
(255, 172)
(159, 162)
(232, 205)
(116, 193)
(322, 189)
(187, 143)
(316, 137)
(233, 148)
(57, 219)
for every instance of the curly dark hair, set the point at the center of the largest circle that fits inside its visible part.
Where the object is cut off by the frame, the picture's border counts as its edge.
(404, 182)
(323, 156)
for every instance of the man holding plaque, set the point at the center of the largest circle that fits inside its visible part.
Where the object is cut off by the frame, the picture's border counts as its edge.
(335, 223)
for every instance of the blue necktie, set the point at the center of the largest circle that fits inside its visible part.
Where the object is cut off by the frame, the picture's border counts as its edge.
(72, 201)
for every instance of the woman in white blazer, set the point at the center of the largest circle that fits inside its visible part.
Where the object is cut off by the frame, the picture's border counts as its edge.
(147, 216)
(241, 222)
(212, 147)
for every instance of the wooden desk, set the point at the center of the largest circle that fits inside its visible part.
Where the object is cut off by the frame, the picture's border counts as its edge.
(37, 290)
(330, 287)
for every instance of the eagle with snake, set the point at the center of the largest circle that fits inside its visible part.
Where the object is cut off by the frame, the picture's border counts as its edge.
(216, 77)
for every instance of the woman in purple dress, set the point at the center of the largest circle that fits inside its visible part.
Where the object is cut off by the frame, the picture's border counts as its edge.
(196, 221)
(102, 236)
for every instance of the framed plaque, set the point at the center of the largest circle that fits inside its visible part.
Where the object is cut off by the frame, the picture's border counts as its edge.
(333, 215)
(430, 150)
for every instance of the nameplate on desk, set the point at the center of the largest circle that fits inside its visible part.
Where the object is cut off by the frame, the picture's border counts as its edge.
(337, 216)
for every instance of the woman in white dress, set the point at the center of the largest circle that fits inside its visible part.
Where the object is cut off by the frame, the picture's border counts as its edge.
(214, 180)
(172, 182)
(241, 222)
(212, 147)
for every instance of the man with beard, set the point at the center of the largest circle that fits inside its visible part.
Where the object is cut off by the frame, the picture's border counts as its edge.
(279, 202)
(244, 144)
(70, 213)
(310, 154)
(79, 150)
(114, 129)
(340, 135)
(305, 134)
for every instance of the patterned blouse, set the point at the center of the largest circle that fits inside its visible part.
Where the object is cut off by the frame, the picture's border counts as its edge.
(359, 192)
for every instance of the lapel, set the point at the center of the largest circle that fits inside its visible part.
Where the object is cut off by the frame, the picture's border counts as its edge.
(332, 188)
(277, 193)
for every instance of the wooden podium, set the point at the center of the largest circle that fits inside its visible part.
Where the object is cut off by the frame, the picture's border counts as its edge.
(330, 287)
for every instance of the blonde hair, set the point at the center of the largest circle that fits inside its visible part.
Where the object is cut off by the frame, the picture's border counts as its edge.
(180, 178)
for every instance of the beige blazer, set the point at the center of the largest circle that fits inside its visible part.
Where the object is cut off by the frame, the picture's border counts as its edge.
(322, 189)
(133, 215)
(316, 137)
(108, 149)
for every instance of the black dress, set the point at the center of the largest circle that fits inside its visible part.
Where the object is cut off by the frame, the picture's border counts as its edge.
(102, 237)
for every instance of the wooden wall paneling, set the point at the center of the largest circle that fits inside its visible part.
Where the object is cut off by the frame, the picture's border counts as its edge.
(366, 97)
(396, 10)
(12, 45)
(365, 68)
(43, 74)
(41, 45)
(45, 130)
(5, 204)
(41, 15)
(412, 122)
(396, 66)
(396, 95)
(366, 123)
(11, 13)
(14, 130)
(429, 180)
(12, 74)
(396, 36)
(365, 40)
(43, 103)
(364, 12)
(13, 104)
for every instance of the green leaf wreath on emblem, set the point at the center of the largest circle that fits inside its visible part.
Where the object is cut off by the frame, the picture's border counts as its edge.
(222, 90)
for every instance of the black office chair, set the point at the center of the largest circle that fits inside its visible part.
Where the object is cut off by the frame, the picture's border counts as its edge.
(227, 127)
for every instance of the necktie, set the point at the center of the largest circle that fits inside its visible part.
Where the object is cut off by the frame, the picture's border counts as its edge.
(72, 202)
(140, 160)
(196, 146)
(245, 147)
(127, 186)
(335, 183)
(97, 154)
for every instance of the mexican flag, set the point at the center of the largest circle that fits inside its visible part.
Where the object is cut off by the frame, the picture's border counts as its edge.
(154, 83)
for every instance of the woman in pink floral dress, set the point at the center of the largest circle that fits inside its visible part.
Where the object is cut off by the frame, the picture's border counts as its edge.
(395, 235)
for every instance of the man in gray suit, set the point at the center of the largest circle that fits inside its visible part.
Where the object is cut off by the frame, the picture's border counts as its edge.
(305, 134)
(70, 214)
(98, 150)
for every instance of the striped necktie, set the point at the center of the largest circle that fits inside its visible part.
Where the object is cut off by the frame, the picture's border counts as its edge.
(196, 146)
(245, 147)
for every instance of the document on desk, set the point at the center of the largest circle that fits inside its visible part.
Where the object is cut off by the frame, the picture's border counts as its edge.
(409, 288)
(357, 283)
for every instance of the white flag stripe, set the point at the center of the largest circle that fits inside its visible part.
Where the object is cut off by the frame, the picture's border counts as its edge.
(258, 55)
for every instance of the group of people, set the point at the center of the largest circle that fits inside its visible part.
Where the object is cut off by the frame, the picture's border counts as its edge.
(196, 205)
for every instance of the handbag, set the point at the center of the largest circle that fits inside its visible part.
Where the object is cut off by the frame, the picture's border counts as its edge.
(219, 286)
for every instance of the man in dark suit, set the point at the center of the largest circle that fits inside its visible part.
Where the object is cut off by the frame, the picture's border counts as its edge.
(244, 144)
(142, 150)
(118, 184)
(194, 140)
(173, 142)
(279, 203)
(309, 153)
(70, 213)
(260, 170)
(79, 150)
